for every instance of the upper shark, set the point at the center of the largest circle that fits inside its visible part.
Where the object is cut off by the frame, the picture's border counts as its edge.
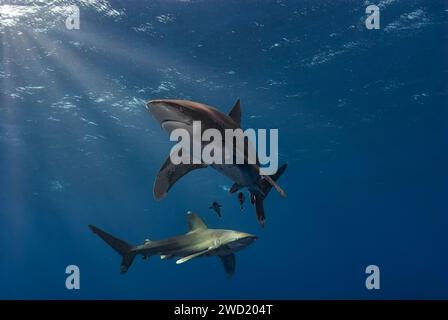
(198, 242)
(174, 114)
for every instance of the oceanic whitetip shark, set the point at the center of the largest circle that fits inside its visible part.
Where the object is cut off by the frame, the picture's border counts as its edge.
(174, 114)
(200, 241)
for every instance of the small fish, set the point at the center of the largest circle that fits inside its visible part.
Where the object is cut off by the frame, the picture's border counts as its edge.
(241, 199)
(217, 207)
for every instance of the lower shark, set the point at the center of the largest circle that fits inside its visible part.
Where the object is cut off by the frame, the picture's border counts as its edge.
(199, 241)
(174, 114)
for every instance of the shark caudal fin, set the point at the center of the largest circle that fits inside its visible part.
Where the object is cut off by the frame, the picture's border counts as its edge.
(271, 181)
(266, 186)
(120, 246)
(275, 185)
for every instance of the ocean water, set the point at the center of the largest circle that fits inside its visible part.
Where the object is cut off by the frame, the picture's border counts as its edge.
(363, 125)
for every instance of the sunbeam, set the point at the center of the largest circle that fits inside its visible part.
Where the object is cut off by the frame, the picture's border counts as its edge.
(147, 62)
(103, 125)
(12, 152)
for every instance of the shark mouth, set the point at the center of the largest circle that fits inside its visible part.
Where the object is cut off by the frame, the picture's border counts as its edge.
(170, 125)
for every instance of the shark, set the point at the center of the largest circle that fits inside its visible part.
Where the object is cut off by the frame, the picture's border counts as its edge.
(199, 241)
(174, 114)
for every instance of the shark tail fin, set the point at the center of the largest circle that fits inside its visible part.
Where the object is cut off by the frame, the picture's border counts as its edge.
(275, 185)
(271, 181)
(266, 186)
(120, 246)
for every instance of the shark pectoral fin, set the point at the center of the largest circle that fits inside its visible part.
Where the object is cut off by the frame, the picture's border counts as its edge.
(235, 113)
(235, 187)
(194, 255)
(259, 208)
(169, 174)
(229, 263)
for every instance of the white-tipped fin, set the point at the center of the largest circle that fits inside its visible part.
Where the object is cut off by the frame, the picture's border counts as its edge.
(195, 222)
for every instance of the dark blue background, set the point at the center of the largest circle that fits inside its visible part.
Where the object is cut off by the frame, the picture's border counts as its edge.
(362, 119)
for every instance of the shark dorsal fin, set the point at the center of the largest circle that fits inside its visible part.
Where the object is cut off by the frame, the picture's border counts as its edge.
(194, 222)
(235, 113)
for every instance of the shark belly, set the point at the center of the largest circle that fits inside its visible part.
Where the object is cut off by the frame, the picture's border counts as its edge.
(241, 174)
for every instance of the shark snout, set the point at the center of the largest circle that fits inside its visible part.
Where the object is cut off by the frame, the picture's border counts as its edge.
(251, 237)
(169, 114)
(246, 238)
(161, 111)
(247, 235)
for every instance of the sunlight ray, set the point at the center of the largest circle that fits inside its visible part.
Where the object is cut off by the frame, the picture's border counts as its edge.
(76, 80)
(147, 62)
(10, 158)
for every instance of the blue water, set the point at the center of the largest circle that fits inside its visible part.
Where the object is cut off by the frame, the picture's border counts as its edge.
(362, 118)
